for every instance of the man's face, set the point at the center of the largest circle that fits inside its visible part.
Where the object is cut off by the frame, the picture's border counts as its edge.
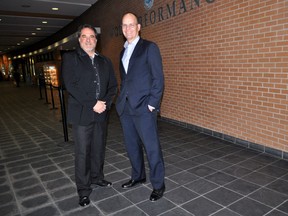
(130, 28)
(88, 40)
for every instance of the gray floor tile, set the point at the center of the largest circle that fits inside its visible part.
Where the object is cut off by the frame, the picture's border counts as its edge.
(138, 194)
(201, 206)
(86, 211)
(204, 175)
(276, 213)
(284, 207)
(220, 178)
(47, 210)
(268, 197)
(225, 212)
(201, 186)
(156, 208)
(242, 187)
(180, 195)
(223, 196)
(279, 186)
(177, 212)
(34, 202)
(130, 211)
(248, 207)
(259, 178)
(183, 177)
(202, 171)
(114, 204)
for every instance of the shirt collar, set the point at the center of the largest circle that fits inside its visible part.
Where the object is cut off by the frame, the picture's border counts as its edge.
(134, 42)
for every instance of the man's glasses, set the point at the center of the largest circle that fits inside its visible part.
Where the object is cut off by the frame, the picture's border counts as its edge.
(129, 26)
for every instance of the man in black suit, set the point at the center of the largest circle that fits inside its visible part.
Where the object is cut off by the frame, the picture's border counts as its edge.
(91, 83)
(141, 89)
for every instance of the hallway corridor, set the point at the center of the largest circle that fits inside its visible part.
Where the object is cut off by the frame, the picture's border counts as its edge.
(204, 175)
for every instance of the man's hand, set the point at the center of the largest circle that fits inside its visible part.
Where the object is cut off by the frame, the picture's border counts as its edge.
(100, 106)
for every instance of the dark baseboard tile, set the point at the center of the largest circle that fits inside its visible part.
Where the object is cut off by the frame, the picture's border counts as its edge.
(274, 152)
(229, 138)
(208, 132)
(217, 134)
(285, 155)
(256, 147)
(244, 143)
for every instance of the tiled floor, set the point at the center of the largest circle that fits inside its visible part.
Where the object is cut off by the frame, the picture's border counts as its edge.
(204, 175)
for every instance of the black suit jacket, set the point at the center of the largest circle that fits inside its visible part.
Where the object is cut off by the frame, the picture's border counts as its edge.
(79, 78)
(144, 82)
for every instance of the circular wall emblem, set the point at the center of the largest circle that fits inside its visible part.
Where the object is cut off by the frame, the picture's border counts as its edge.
(148, 4)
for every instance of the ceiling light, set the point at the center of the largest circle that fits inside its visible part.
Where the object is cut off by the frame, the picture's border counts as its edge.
(38, 29)
(55, 9)
(26, 38)
(44, 22)
(33, 33)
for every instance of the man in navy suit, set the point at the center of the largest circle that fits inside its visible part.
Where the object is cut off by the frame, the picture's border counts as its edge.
(141, 89)
(91, 83)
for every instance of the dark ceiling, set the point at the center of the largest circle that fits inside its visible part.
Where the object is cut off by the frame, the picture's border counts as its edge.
(26, 22)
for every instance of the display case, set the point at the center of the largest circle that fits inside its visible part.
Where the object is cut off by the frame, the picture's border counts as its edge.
(50, 74)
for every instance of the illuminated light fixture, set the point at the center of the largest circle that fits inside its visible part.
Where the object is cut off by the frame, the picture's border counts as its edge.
(65, 40)
(55, 9)
(18, 44)
(44, 22)
(38, 29)
(33, 33)
(22, 41)
(26, 38)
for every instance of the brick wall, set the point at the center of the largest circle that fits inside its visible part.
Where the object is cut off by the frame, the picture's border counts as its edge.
(225, 62)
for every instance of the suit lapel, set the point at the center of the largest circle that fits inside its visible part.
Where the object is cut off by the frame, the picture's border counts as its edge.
(135, 52)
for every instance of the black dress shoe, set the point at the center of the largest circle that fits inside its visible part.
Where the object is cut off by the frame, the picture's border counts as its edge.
(132, 183)
(103, 183)
(157, 194)
(84, 201)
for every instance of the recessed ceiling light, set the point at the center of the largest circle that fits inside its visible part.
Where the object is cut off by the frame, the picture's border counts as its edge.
(38, 29)
(33, 33)
(26, 38)
(55, 9)
(44, 22)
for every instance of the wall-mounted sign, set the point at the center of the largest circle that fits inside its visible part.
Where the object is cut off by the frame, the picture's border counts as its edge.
(148, 4)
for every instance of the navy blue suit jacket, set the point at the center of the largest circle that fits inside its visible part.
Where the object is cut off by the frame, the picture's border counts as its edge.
(144, 82)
